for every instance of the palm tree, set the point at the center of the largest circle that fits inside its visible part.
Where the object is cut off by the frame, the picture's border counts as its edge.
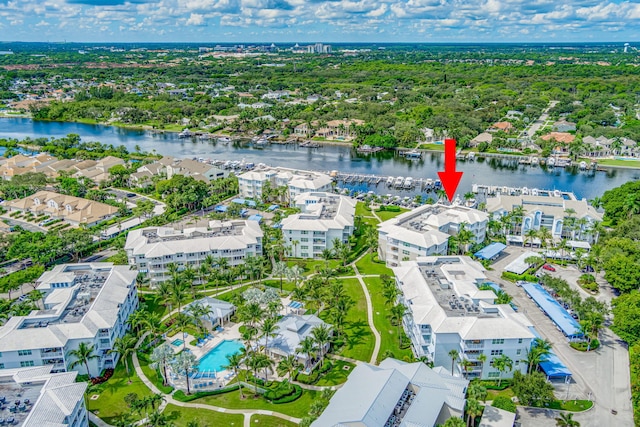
(280, 270)
(124, 346)
(466, 366)
(474, 409)
(397, 313)
(83, 354)
(162, 355)
(453, 354)
(530, 235)
(288, 365)
(294, 273)
(186, 363)
(234, 362)
(454, 422)
(261, 361)
(502, 363)
(295, 244)
(545, 236)
(566, 420)
(482, 358)
(476, 391)
(307, 347)
(268, 329)
(322, 336)
(182, 321)
(538, 353)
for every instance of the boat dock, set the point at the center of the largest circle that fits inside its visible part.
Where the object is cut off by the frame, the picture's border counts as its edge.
(400, 182)
(494, 190)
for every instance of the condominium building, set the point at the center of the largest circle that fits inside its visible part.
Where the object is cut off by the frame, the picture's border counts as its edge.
(82, 303)
(395, 394)
(297, 182)
(565, 217)
(150, 249)
(426, 230)
(35, 397)
(74, 210)
(324, 218)
(447, 311)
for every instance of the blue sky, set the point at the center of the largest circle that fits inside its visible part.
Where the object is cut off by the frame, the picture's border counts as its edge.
(320, 20)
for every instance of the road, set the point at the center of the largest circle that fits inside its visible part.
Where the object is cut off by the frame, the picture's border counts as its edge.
(530, 130)
(602, 375)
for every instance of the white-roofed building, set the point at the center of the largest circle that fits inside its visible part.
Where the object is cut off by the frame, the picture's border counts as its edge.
(447, 311)
(426, 230)
(324, 217)
(290, 331)
(150, 249)
(44, 399)
(219, 311)
(297, 181)
(566, 218)
(395, 393)
(87, 303)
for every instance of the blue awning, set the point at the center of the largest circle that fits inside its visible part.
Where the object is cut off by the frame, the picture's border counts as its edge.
(221, 208)
(491, 251)
(255, 217)
(567, 324)
(238, 201)
(250, 203)
(295, 304)
(552, 366)
(273, 207)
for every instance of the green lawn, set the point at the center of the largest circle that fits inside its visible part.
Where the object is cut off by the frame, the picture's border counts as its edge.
(388, 332)
(492, 394)
(298, 408)
(362, 209)
(153, 306)
(267, 421)
(367, 265)
(181, 416)
(359, 340)
(386, 215)
(432, 147)
(309, 265)
(110, 402)
(152, 374)
(623, 163)
(337, 375)
(286, 285)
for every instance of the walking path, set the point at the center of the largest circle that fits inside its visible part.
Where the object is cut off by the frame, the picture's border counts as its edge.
(376, 334)
(97, 420)
(247, 413)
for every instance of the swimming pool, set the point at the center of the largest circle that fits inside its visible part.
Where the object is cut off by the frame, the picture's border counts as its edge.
(177, 342)
(216, 358)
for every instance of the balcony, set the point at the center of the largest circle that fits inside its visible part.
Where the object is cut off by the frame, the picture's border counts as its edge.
(51, 355)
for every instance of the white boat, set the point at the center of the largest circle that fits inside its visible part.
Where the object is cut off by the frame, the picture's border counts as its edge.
(534, 191)
(413, 154)
(551, 161)
(398, 182)
(224, 140)
(557, 193)
(525, 191)
(262, 142)
(408, 183)
(583, 165)
(390, 181)
(535, 160)
(185, 134)
(471, 156)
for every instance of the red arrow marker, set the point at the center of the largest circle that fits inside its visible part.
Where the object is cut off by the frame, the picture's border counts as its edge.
(450, 178)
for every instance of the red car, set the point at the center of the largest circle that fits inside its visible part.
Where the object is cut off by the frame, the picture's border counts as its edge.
(548, 267)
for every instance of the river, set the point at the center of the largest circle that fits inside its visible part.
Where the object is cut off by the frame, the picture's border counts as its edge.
(334, 157)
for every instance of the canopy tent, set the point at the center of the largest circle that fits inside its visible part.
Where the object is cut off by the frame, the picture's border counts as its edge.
(491, 252)
(567, 324)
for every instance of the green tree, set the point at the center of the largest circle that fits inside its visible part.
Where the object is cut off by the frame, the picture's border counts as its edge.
(162, 355)
(502, 363)
(83, 354)
(532, 389)
(565, 419)
(124, 346)
(234, 363)
(186, 363)
(453, 354)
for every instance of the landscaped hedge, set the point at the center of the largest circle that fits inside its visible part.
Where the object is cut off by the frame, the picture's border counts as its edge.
(183, 397)
(512, 277)
(297, 392)
(283, 393)
(505, 403)
(314, 376)
(104, 378)
(493, 385)
(582, 345)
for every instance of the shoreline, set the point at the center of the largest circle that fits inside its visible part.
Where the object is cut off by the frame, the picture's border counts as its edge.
(148, 128)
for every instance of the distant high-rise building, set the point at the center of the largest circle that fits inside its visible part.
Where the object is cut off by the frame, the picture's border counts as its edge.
(319, 48)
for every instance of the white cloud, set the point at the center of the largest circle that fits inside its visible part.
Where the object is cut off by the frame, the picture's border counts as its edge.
(195, 19)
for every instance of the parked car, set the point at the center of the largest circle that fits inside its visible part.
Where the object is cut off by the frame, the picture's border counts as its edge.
(587, 269)
(548, 267)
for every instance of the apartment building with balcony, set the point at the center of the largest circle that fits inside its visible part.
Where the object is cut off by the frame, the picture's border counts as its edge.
(151, 249)
(36, 397)
(565, 217)
(82, 303)
(426, 230)
(447, 311)
(324, 218)
(251, 183)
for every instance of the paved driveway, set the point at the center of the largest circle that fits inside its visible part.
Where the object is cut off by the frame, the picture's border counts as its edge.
(602, 375)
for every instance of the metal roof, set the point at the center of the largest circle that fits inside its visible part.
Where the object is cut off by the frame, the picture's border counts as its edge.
(567, 324)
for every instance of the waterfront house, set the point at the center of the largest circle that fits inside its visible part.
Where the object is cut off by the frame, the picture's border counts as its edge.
(447, 311)
(483, 137)
(82, 303)
(426, 231)
(568, 218)
(324, 217)
(297, 182)
(395, 393)
(505, 127)
(339, 129)
(562, 137)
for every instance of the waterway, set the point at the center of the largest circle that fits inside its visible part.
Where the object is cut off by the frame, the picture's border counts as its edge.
(334, 157)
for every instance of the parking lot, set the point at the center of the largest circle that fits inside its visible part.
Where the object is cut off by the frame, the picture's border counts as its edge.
(601, 375)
